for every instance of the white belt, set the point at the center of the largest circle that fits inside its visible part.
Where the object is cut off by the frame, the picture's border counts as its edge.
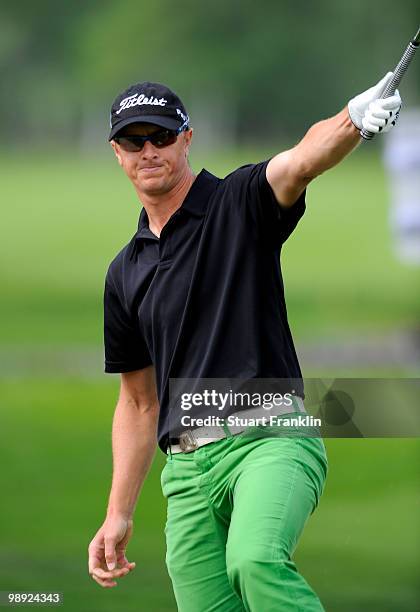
(191, 439)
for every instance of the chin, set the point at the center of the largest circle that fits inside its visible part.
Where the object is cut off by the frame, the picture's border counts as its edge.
(153, 185)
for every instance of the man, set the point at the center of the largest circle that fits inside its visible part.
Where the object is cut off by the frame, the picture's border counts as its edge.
(197, 294)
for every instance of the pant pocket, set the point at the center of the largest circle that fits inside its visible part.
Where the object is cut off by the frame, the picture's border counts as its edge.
(165, 476)
(315, 463)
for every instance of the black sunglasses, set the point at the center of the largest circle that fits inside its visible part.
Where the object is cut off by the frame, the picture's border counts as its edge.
(134, 143)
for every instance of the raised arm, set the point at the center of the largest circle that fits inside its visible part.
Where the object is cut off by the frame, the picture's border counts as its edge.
(134, 440)
(327, 142)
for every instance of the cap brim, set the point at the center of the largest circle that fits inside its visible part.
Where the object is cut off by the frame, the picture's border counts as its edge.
(166, 122)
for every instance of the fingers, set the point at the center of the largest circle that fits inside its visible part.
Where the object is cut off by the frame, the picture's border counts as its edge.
(115, 542)
(122, 560)
(371, 127)
(110, 554)
(106, 578)
(392, 120)
(359, 105)
(382, 114)
(106, 584)
(99, 567)
(376, 110)
(376, 125)
(382, 106)
(391, 103)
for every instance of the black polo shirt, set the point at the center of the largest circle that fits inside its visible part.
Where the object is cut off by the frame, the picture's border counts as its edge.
(206, 299)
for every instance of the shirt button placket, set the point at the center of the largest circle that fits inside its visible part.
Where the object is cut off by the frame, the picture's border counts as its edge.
(165, 243)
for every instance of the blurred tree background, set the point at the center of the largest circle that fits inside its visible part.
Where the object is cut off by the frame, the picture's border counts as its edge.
(254, 76)
(252, 72)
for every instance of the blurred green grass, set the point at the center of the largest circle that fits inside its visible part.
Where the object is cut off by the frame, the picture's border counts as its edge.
(55, 442)
(359, 550)
(66, 219)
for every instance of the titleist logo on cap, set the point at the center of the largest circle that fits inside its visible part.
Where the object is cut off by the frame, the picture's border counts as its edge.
(147, 102)
(139, 100)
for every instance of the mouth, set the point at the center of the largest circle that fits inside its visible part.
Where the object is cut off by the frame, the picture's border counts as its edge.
(150, 169)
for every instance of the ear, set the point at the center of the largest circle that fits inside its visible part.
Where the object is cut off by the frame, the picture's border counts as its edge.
(116, 148)
(188, 135)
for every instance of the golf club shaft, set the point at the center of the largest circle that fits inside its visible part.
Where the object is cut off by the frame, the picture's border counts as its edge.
(399, 72)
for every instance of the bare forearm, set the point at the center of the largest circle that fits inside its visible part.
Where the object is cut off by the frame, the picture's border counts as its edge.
(133, 444)
(326, 143)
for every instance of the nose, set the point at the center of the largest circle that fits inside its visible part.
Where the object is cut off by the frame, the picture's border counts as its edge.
(148, 151)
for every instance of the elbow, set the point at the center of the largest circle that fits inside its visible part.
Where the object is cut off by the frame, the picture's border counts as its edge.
(303, 167)
(138, 392)
(307, 171)
(140, 405)
(149, 408)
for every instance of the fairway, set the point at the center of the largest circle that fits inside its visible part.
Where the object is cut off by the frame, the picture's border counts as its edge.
(65, 219)
(179, 89)
(360, 548)
(71, 219)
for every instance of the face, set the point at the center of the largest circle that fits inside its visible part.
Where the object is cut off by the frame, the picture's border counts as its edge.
(154, 170)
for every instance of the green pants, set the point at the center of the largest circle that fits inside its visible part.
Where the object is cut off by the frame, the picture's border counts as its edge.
(236, 509)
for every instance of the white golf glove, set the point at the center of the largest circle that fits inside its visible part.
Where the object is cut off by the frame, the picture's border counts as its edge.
(368, 110)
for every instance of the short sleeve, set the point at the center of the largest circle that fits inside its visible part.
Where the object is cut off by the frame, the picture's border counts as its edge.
(274, 222)
(125, 348)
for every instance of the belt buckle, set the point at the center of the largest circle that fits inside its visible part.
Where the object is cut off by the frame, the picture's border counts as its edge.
(187, 441)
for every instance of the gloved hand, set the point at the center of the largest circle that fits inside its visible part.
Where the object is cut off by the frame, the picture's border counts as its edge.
(369, 111)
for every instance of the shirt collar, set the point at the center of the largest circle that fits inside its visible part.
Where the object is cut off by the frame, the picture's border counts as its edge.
(197, 198)
(194, 204)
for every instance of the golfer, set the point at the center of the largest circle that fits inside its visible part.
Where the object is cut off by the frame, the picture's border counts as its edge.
(197, 294)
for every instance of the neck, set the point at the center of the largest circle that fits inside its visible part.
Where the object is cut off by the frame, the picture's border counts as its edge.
(160, 207)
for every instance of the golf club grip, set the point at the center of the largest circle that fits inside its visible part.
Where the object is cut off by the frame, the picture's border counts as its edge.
(396, 79)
